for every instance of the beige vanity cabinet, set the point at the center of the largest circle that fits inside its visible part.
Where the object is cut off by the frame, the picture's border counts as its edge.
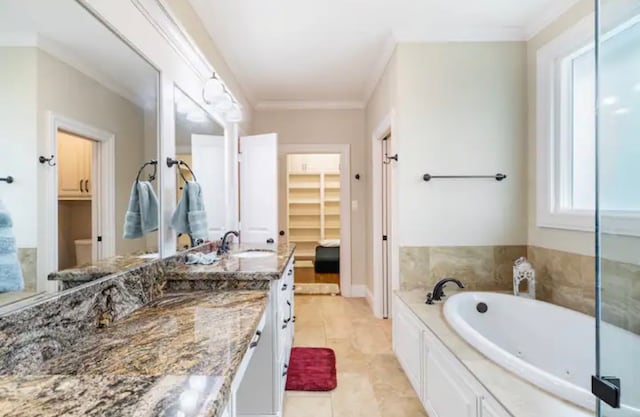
(74, 167)
(261, 392)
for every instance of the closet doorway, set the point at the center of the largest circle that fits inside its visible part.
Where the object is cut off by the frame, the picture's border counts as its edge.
(314, 215)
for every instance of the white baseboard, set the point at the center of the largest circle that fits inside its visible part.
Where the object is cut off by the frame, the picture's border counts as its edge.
(359, 291)
(370, 299)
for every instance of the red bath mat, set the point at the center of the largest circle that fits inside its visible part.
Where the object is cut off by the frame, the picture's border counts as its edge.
(312, 369)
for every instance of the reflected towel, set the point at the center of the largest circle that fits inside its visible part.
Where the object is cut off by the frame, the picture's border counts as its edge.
(190, 216)
(142, 214)
(10, 270)
(201, 258)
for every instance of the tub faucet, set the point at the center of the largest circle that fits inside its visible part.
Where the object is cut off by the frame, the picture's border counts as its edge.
(438, 290)
(224, 246)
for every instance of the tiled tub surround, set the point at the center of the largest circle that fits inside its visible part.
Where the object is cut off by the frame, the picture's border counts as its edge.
(33, 335)
(568, 279)
(189, 342)
(563, 278)
(480, 268)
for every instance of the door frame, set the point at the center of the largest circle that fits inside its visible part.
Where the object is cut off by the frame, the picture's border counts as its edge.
(103, 203)
(344, 150)
(375, 298)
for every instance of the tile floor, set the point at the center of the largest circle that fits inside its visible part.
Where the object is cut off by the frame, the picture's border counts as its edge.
(371, 382)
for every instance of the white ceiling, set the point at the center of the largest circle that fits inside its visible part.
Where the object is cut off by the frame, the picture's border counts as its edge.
(69, 32)
(333, 51)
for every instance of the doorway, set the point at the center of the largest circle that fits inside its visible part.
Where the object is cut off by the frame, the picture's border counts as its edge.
(87, 182)
(314, 214)
(75, 199)
(384, 253)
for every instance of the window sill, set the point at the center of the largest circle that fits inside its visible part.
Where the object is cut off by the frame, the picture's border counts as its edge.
(624, 223)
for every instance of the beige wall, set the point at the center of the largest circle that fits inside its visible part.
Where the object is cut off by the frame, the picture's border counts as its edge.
(68, 92)
(335, 127)
(197, 31)
(459, 108)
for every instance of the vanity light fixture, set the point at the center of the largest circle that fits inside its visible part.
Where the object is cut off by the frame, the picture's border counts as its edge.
(235, 114)
(224, 103)
(212, 90)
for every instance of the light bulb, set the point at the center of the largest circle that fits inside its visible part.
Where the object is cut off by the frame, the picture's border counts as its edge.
(224, 103)
(235, 114)
(622, 110)
(212, 89)
(610, 100)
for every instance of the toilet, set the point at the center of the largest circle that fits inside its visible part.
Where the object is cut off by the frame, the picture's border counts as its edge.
(83, 251)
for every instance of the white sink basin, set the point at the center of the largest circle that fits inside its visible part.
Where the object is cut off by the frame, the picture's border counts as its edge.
(253, 254)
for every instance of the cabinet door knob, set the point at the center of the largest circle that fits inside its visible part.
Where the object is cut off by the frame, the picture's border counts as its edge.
(86, 185)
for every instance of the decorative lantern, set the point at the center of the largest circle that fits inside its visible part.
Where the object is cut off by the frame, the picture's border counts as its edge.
(523, 271)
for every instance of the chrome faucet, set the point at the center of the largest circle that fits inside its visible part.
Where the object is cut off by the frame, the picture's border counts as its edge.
(438, 290)
(224, 246)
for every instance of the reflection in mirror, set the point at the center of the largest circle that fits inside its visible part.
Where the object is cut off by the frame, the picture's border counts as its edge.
(78, 116)
(200, 143)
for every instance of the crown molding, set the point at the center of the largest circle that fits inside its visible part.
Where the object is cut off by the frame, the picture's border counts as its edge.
(548, 16)
(309, 105)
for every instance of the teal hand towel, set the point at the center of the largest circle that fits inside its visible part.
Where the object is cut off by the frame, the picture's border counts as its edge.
(142, 214)
(190, 215)
(11, 278)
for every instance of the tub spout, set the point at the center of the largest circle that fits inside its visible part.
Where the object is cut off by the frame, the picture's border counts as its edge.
(438, 290)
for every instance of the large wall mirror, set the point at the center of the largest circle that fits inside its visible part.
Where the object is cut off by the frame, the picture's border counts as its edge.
(78, 122)
(200, 145)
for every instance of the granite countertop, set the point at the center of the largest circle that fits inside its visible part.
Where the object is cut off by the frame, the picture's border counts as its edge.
(517, 396)
(102, 268)
(230, 267)
(176, 356)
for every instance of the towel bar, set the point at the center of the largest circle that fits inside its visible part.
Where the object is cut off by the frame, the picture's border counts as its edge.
(497, 177)
(8, 179)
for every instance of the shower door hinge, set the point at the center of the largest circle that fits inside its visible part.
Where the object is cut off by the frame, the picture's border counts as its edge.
(385, 237)
(607, 388)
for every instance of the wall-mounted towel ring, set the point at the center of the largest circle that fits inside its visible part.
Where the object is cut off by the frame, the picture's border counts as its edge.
(48, 161)
(155, 170)
(8, 179)
(171, 162)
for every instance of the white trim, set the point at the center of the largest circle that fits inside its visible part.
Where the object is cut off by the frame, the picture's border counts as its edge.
(552, 11)
(547, 80)
(345, 199)
(103, 223)
(309, 105)
(359, 291)
(384, 127)
(550, 106)
(370, 299)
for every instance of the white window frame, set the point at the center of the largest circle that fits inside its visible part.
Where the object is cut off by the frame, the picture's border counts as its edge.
(552, 111)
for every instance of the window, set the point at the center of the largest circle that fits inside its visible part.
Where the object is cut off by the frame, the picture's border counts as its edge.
(566, 129)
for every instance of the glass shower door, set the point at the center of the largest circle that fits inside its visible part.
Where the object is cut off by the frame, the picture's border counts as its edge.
(618, 209)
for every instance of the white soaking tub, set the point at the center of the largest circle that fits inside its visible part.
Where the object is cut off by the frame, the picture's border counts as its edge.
(550, 346)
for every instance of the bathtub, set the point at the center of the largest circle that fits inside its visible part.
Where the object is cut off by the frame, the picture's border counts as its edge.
(549, 346)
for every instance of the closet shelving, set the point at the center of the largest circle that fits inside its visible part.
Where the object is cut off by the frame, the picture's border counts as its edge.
(313, 210)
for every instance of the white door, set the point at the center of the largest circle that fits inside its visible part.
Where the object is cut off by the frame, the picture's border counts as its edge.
(259, 188)
(208, 159)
